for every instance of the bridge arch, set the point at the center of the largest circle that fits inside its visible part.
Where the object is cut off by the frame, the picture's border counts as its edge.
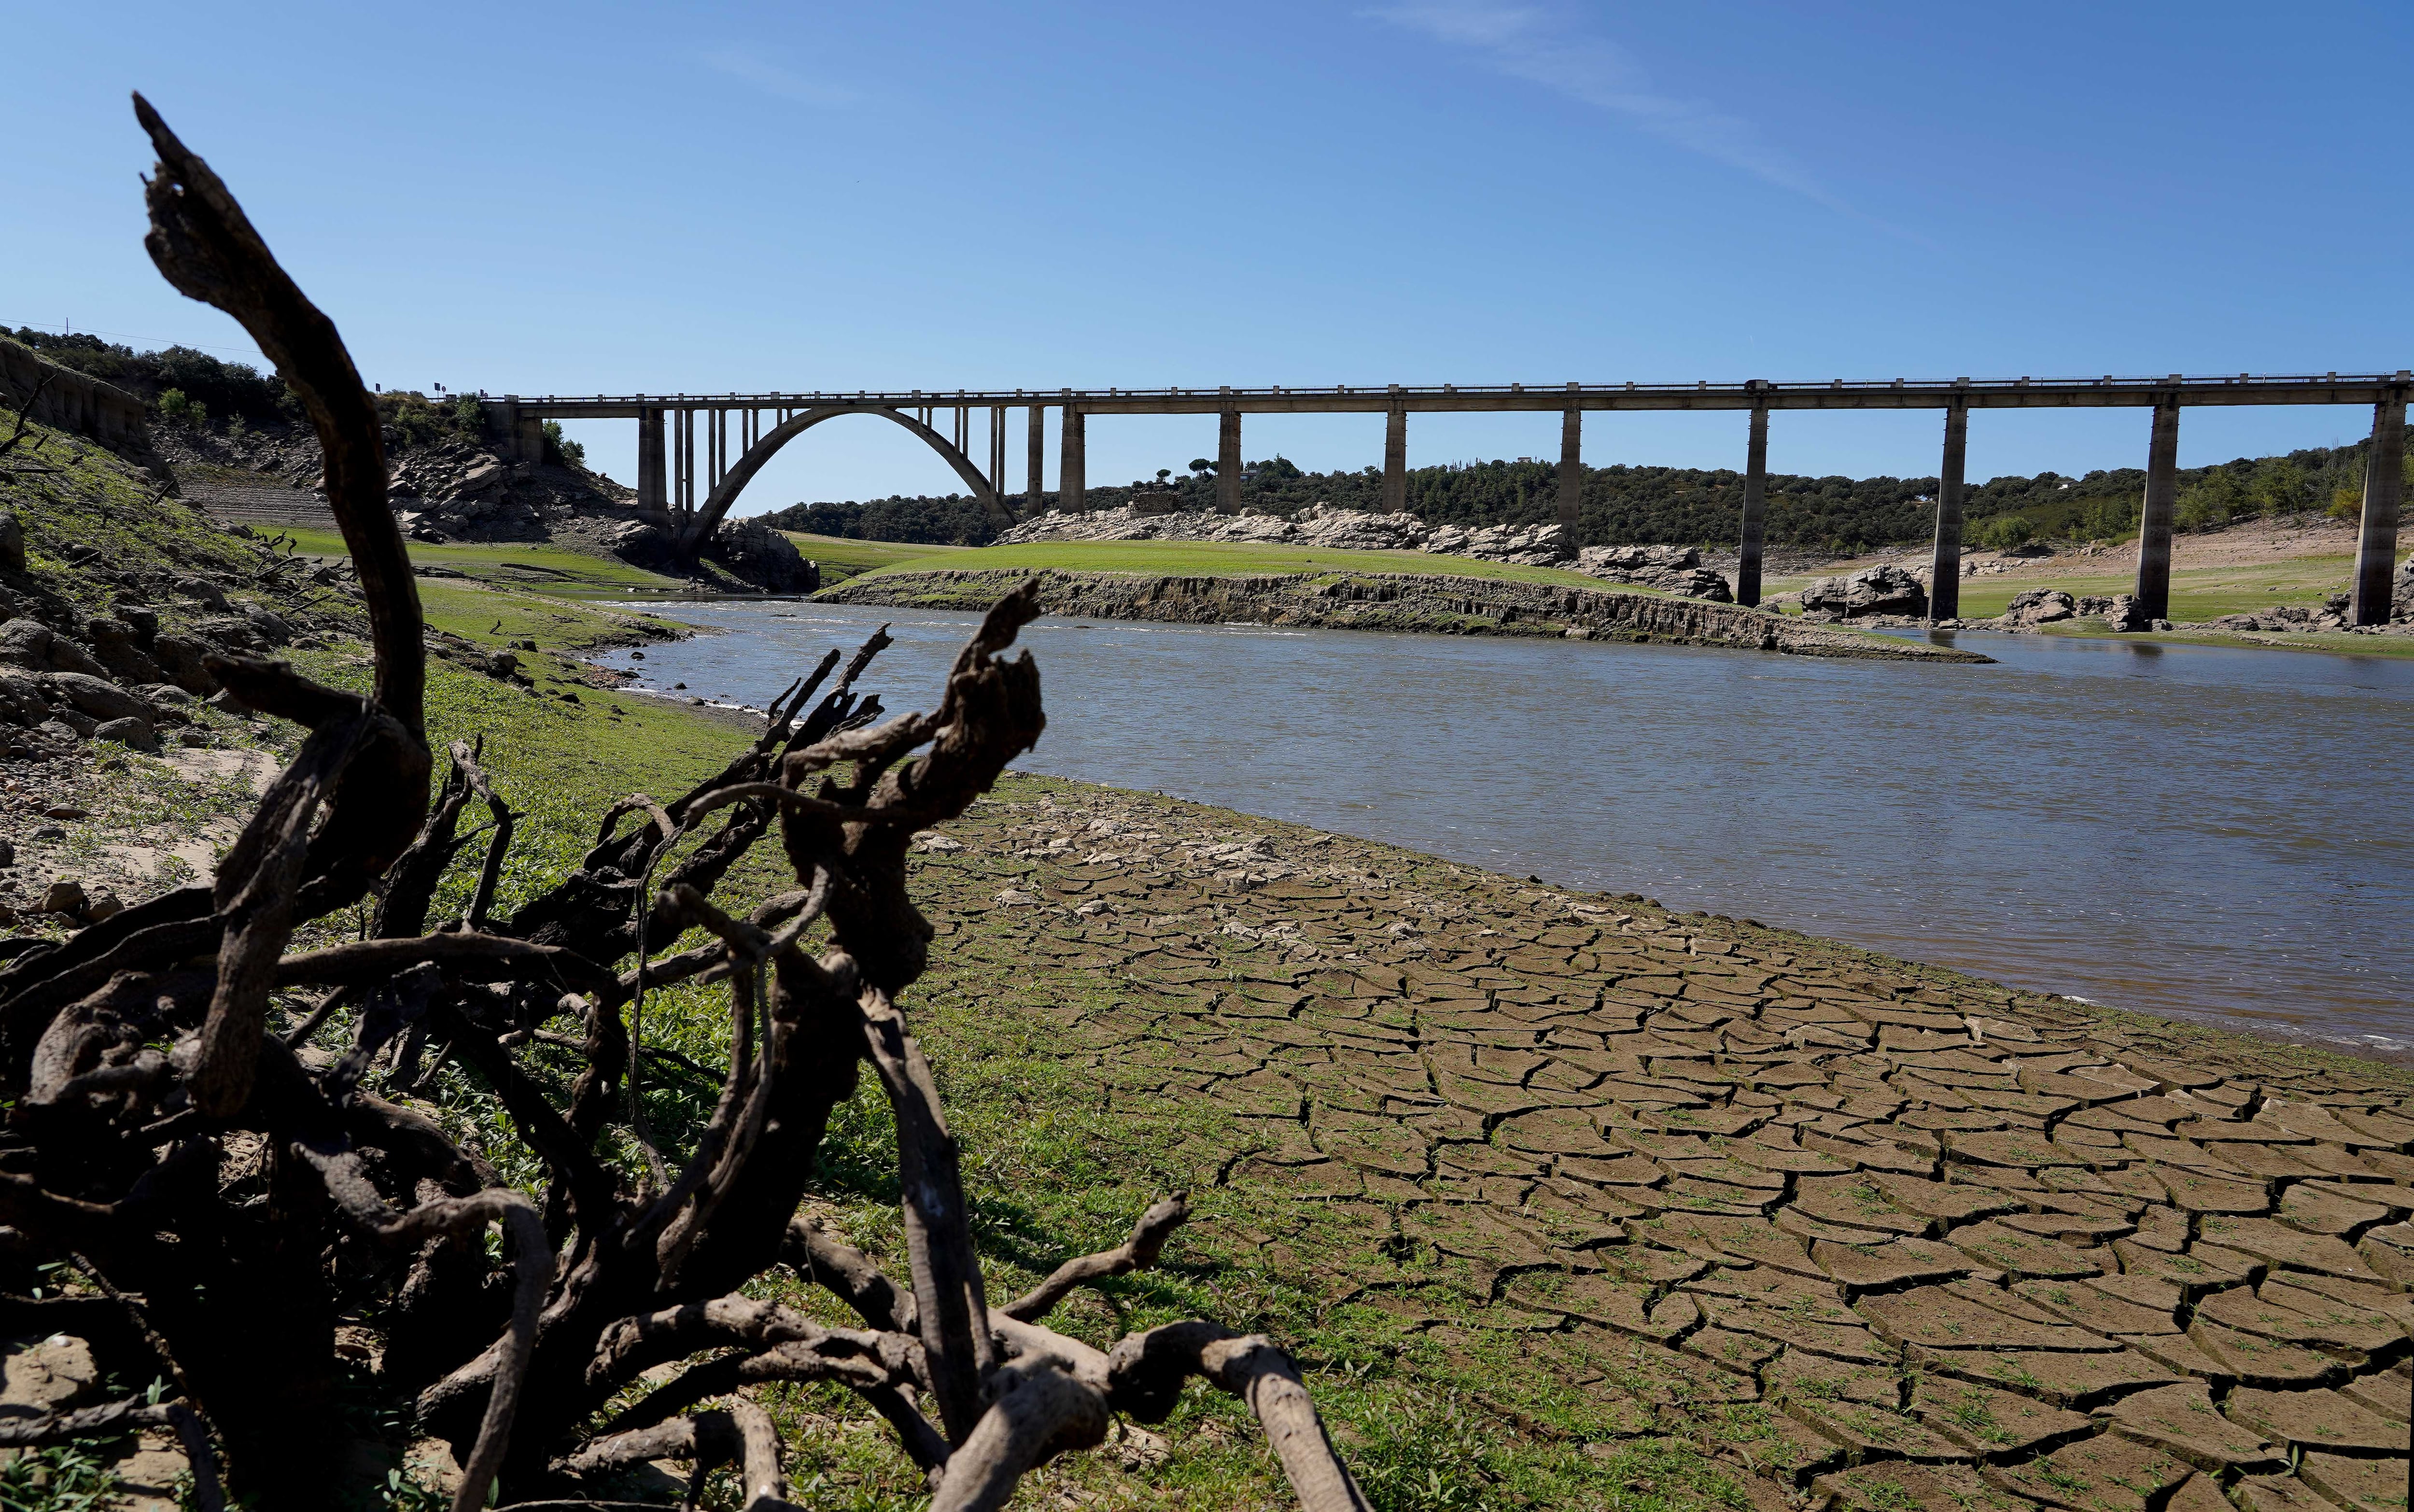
(694, 532)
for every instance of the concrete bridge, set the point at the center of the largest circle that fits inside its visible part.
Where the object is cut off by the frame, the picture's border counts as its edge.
(757, 425)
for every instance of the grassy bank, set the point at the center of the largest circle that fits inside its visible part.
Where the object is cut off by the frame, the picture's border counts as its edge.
(842, 557)
(556, 570)
(2196, 593)
(1211, 559)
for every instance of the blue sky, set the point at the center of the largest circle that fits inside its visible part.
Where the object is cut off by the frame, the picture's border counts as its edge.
(536, 198)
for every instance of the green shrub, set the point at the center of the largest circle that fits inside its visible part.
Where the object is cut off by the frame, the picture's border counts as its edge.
(415, 421)
(176, 408)
(561, 448)
(2005, 531)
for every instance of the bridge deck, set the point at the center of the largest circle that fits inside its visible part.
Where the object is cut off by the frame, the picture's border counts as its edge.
(1834, 394)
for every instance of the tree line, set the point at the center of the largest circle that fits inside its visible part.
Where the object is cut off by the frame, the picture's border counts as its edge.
(187, 387)
(1625, 504)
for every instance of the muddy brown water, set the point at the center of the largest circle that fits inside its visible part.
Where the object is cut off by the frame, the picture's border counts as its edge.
(2207, 833)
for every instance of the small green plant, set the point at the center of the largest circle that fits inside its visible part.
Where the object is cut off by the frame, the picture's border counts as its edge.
(178, 408)
(1422, 1452)
(62, 1477)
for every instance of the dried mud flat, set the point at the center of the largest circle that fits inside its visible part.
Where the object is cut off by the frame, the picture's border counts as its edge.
(1875, 1235)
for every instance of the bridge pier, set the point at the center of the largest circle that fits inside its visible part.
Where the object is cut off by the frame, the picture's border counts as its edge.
(1228, 463)
(1070, 461)
(1755, 509)
(1944, 563)
(2155, 512)
(652, 495)
(997, 449)
(1034, 501)
(2384, 480)
(683, 461)
(1571, 467)
(1395, 460)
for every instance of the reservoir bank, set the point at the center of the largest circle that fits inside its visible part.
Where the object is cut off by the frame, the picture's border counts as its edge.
(2182, 830)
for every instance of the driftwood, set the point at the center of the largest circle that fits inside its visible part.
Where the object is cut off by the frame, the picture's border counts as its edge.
(118, 1157)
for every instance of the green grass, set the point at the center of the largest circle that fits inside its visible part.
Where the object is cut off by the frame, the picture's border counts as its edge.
(560, 763)
(2197, 592)
(555, 570)
(842, 557)
(69, 493)
(1214, 558)
(494, 616)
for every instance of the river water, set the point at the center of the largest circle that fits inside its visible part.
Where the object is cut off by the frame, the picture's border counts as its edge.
(2204, 833)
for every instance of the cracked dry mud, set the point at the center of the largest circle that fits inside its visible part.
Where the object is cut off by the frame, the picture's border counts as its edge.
(1877, 1235)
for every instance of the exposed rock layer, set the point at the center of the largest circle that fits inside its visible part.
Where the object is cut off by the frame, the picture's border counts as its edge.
(1672, 569)
(1391, 601)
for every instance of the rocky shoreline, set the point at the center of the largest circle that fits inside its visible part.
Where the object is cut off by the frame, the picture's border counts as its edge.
(1430, 604)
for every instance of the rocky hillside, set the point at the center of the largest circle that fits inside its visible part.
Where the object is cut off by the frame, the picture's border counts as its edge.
(447, 482)
(113, 591)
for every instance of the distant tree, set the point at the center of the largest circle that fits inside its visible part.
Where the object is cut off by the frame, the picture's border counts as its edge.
(1162, 474)
(574, 453)
(2004, 531)
(1201, 466)
(178, 408)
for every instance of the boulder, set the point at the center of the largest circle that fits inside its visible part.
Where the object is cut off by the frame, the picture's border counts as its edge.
(763, 557)
(117, 645)
(1603, 561)
(1530, 546)
(487, 477)
(99, 697)
(2120, 614)
(2041, 606)
(2400, 596)
(21, 701)
(180, 662)
(269, 627)
(1359, 529)
(143, 622)
(502, 663)
(135, 733)
(62, 898)
(12, 542)
(1676, 570)
(1695, 583)
(641, 545)
(67, 655)
(1874, 590)
(230, 633)
(25, 643)
(202, 591)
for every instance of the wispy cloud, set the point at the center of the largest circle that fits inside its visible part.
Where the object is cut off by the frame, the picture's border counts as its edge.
(1537, 45)
(773, 80)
